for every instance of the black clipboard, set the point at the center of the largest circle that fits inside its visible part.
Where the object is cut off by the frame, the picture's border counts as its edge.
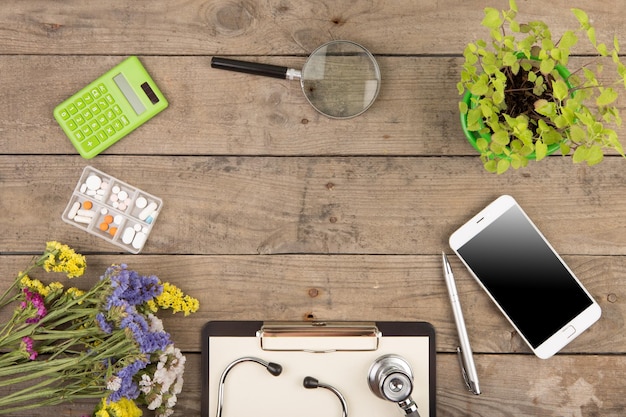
(337, 353)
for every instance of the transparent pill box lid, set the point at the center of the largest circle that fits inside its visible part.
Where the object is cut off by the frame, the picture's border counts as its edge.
(112, 210)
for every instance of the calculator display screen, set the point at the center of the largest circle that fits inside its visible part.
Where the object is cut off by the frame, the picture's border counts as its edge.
(129, 93)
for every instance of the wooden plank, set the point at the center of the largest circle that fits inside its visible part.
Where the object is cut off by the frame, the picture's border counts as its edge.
(307, 287)
(515, 385)
(269, 205)
(178, 27)
(215, 112)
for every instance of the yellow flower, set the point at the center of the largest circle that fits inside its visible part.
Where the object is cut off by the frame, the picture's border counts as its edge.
(122, 408)
(172, 297)
(53, 288)
(62, 258)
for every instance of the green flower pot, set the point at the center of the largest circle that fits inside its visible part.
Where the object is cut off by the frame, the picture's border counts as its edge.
(472, 136)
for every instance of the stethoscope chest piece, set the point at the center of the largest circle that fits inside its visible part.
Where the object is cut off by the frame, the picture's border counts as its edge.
(390, 378)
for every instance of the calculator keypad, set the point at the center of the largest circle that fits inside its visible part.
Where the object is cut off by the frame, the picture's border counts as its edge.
(94, 117)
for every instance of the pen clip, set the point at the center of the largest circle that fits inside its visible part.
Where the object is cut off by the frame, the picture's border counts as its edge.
(463, 370)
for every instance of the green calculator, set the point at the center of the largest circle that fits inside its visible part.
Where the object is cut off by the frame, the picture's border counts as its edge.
(110, 107)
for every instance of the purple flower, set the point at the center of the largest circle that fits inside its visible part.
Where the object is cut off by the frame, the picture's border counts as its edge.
(148, 341)
(27, 342)
(130, 287)
(36, 300)
(104, 325)
(128, 388)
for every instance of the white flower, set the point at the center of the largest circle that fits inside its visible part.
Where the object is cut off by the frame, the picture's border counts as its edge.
(155, 325)
(145, 384)
(114, 383)
(156, 402)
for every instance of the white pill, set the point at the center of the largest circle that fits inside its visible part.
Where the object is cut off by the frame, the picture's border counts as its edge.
(83, 219)
(115, 189)
(98, 197)
(113, 197)
(115, 204)
(104, 211)
(104, 185)
(72, 213)
(122, 195)
(121, 206)
(147, 211)
(93, 182)
(139, 240)
(101, 191)
(128, 236)
(137, 227)
(85, 213)
(145, 230)
(118, 219)
(83, 188)
(141, 202)
(90, 193)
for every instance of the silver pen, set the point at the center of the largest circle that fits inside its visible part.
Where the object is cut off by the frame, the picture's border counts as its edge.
(468, 368)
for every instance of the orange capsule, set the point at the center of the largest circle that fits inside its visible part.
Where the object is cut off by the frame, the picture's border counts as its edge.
(87, 205)
(113, 231)
(104, 226)
(108, 219)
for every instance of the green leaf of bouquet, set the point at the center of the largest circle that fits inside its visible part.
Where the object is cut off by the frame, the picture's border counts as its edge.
(492, 18)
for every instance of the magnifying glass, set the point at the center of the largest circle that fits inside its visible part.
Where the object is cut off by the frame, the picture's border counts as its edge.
(340, 79)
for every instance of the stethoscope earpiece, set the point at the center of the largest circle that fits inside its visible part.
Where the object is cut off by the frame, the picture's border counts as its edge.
(310, 383)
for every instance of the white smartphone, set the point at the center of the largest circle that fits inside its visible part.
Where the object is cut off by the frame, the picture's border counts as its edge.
(521, 272)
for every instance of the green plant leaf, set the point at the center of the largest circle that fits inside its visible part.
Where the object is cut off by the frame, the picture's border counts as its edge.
(463, 108)
(568, 39)
(560, 89)
(565, 148)
(490, 166)
(492, 18)
(606, 97)
(582, 17)
(482, 144)
(503, 166)
(513, 5)
(541, 150)
(580, 154)
(595, 155)
(501, 137)
(547, 65)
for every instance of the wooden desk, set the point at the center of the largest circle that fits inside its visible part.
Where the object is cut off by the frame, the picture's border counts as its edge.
(274, 212)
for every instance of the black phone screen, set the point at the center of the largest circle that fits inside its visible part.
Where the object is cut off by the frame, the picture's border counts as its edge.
(524, 276)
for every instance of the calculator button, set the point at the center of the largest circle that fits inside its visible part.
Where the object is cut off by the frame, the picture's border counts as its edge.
(117, 109)
(79, 119)
(102, 88)
(117, 125)
(103, 104)
(95, 93)
(102, 119)
(124, 120)
(88, 98)
(86, 130)
(72, 109)
(79, 135)
(89, 143)
(65, 114)
(94, 125)
(80, 104)
(110, 114)
(72, 124)
(109, 130)
(94, 109)
(109, 98)
(87, 114)
(101, 135)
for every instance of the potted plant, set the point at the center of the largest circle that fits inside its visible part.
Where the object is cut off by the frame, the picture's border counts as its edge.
(520, 101)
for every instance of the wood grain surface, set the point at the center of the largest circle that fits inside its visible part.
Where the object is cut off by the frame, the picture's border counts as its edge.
(274, 212)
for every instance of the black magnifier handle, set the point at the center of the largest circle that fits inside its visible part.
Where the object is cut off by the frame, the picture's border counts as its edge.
(255, 68)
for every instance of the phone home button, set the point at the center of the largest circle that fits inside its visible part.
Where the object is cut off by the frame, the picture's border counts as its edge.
(569, 331)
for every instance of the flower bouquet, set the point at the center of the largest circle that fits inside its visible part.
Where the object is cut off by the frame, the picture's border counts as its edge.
(104, 343)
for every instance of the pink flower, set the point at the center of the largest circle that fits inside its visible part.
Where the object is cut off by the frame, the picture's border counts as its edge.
(37, 301)
(27, 343)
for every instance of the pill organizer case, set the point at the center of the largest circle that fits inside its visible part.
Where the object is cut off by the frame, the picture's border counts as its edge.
(112, 209)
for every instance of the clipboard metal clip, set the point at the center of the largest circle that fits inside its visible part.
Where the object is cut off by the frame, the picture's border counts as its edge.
(319, 337)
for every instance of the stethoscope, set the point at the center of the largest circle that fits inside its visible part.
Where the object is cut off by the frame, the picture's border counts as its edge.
(390, 378)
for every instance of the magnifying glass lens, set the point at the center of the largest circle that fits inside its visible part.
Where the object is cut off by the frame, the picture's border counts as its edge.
(341, 79)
